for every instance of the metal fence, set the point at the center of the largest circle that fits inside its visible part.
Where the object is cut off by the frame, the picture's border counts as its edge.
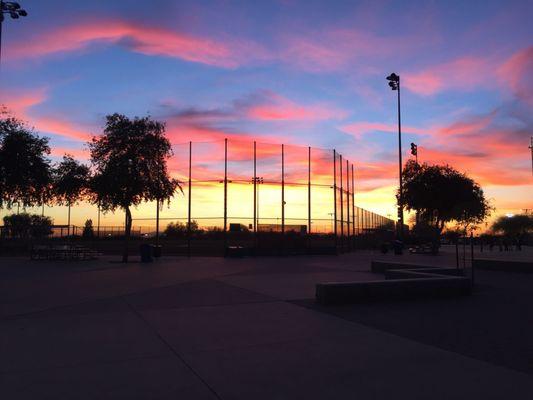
(267, 187)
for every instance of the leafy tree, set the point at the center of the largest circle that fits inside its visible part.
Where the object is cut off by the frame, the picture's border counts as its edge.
(25, 225)
(25, 173)
(70, 183)
(130, 162)
(517, 225)
(178, 229)
(88, 229)
(441, 194)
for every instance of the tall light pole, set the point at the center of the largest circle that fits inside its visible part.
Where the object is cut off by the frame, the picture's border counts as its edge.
(12, 9)
(394, 83)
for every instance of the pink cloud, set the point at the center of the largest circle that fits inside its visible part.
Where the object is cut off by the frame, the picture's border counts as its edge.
(358, 129)
(61, 128)
(228, 53)
(21, 103)
(464, 127)
(77, 153)
(275, 107)
(332, 50)
(463, 73)
(466, 73)
(515, 73)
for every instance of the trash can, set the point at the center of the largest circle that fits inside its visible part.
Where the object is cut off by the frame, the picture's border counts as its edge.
(146, 253)
(156, 250)
(398, 247)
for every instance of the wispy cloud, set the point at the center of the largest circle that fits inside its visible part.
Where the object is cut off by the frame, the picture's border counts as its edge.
(228, 52)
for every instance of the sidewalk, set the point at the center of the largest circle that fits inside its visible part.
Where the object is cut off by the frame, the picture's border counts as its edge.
(211, 328)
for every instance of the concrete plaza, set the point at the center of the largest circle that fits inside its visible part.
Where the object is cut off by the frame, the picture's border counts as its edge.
(214, 328)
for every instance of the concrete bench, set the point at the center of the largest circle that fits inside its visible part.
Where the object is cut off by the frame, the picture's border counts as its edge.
(401, 281)
(503, 265)
(418, 273)
(358, 292)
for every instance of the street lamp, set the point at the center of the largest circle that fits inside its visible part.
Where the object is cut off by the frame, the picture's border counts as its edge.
(257, 180)
(414, 151)
(394, 83)
(12, 9)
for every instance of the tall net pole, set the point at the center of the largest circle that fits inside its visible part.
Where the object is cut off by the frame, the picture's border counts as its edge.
(342, 203)
(225, 193)
(282, 189)
(189, 203)
(309, 191)
(348, 233)
(353, 205)
(335, 196)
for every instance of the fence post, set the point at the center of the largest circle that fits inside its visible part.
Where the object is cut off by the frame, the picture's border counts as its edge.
(225, 194)
(282, 189)
(157, 223)
(457, 253)
(189, 204)
(353, 206)
(472, 255)
(68, 221)
(342, 203)
(98, 226)
(348, 205)
(309, 191)
(335, 196)
(255, 188)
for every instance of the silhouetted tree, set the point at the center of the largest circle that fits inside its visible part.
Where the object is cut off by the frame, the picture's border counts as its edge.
(70, 183)
(88, 229)
(178, 229)
(517, 225)
(25, 225)
(441, 194)
(25, 173)
(130, 161)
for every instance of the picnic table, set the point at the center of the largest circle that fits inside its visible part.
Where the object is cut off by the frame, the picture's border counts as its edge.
(62, 252)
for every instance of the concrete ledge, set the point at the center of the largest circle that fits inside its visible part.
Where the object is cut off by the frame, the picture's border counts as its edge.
(503, 265)
(357, 292)
(418, 273)
(382, 266)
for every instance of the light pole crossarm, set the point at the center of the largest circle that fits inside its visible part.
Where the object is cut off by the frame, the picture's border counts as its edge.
(12, 9)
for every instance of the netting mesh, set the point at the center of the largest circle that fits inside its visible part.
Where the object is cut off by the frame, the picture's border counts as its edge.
(265, 187)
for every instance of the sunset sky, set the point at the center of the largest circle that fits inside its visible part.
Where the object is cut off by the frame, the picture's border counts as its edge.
(308, 73)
